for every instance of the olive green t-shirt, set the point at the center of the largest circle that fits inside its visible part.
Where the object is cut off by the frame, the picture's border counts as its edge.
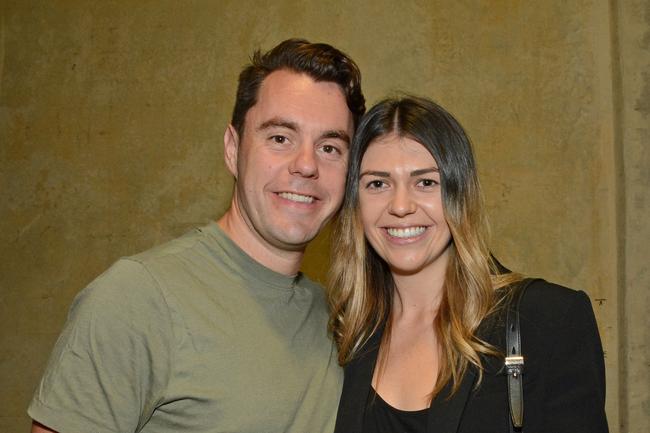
(193, 336)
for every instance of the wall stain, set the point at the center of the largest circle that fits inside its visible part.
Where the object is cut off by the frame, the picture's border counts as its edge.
(643, 102)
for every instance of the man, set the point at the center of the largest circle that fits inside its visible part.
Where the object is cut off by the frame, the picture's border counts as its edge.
(217, 330)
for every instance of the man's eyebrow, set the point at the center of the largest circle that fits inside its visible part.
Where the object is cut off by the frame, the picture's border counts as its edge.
(338, 134)
(422, 171)
(279, 123)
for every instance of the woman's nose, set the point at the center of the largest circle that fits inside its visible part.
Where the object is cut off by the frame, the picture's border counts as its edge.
(401, 203)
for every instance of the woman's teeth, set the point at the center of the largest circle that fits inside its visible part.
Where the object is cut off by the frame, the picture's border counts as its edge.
(408, 232)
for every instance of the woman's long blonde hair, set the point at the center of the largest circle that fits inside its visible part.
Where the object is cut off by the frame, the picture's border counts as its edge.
(361, 284)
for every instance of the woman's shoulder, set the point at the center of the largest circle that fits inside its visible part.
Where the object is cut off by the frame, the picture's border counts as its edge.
(552, 290)
(552, 305)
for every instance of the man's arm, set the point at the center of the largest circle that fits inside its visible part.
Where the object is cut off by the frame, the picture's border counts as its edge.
(112, 361)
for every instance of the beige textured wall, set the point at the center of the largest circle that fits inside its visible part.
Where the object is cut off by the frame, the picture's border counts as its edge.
(112, 114)
(633, 140)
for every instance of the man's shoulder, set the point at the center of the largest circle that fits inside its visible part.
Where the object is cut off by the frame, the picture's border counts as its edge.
(141, 275)
(176, 247)
(195, 251)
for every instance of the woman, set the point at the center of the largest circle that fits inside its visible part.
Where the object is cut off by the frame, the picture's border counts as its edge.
(418, 302)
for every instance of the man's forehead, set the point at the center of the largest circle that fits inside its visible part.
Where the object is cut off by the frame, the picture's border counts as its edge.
(297, 98)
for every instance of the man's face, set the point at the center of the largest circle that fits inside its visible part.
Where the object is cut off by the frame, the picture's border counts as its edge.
(291, 162)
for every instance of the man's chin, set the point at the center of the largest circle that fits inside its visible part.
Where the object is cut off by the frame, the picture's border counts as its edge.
(294, 240)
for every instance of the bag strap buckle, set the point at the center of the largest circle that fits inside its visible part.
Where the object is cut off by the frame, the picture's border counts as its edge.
(514, 365)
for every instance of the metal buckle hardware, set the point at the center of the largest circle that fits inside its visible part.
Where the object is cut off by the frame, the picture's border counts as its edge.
(514, 365)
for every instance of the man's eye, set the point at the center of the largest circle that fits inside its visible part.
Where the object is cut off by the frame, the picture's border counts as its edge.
(279, 139)
(328, 148)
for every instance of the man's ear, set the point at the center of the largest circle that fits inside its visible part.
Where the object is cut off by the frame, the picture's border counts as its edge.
(231, 149)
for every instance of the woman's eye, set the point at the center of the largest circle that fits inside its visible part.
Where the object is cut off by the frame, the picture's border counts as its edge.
(375, 184)
(428, 182)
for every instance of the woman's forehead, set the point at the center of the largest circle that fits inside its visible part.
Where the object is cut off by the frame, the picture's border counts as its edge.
(384, 150)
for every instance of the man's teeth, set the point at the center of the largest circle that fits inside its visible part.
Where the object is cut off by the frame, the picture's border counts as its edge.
(408, 232)
(297, 197)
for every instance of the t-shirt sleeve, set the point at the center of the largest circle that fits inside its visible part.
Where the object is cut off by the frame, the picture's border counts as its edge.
(111, 364)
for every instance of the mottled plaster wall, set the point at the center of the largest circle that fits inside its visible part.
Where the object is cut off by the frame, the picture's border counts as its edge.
(633, 81)
(112, 113)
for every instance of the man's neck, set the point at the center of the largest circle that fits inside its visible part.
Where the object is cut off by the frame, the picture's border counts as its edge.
(278, 260)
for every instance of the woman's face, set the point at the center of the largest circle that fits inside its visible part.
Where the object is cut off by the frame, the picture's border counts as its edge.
(401, 205)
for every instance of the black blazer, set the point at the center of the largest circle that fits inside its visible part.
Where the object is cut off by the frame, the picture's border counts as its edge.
(564, 374)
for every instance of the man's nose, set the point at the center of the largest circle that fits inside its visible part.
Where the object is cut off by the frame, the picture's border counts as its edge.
(305, 161)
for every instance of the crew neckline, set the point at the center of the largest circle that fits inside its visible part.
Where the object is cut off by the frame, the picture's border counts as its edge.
(245, 262)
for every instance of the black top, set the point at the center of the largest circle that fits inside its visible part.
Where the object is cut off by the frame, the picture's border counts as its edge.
(381, 417)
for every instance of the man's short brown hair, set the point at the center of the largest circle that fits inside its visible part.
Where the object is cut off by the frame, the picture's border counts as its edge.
(321, 62)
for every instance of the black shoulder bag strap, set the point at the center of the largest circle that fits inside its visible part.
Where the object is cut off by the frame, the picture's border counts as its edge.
(514, 362)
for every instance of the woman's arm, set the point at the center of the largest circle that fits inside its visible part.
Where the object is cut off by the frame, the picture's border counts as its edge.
(574, 377)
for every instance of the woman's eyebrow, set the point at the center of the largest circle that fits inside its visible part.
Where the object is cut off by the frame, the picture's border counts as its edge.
(375, 173)
(414, 173)
(422, 171)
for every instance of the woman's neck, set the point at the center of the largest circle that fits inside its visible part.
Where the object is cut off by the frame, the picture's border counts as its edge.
(418, 295)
